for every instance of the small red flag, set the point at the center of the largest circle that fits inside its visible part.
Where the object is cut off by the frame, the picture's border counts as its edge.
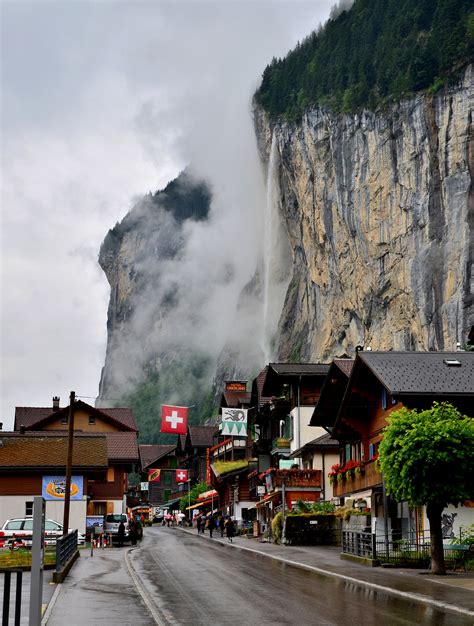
(174, 419)
(181, 476)
(154, 475)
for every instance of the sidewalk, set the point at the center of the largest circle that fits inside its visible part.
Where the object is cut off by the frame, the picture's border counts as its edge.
(454, 591)
(98, 590)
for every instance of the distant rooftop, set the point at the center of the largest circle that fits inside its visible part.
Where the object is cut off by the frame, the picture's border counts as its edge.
(300, 369)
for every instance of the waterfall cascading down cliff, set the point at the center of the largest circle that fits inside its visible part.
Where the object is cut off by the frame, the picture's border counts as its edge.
(276, 262)
(379, 213)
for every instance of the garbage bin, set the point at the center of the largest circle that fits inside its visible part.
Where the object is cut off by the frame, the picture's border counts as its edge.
(256, 528)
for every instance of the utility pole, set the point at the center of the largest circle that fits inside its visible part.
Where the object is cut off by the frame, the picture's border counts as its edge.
(70, 441)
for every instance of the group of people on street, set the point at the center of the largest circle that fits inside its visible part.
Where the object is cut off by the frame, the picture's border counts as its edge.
(173, 519)
(212, 523)
(135, 532)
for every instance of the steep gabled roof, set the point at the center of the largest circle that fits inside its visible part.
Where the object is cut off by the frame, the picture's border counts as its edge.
(150, 453)
(345, 365)
(280, 373)
(332, 393)
(38, 451)
(36, 417)
(403, 373)
(202, 436)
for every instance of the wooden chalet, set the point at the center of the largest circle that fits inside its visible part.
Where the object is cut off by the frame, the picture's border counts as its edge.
(195, 451)
(33, 464)
(380, 383)
(121, 434)
(167, 492)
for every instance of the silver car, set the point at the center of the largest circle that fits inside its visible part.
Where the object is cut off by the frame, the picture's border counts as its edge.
(112, 523)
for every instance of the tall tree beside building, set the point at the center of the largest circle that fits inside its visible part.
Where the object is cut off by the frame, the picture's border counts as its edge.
(426, 459)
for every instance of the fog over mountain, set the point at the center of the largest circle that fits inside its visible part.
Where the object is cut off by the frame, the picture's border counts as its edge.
(102, 103)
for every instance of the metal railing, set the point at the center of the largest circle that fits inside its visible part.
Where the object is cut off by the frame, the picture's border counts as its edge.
(358, 543)
(66, 547)
(7, 581)
(408, 550)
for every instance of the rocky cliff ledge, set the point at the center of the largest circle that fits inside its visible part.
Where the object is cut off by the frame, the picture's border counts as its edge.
(379, 208)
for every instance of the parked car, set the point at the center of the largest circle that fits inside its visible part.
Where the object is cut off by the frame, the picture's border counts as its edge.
(22, 528)
(112, 523)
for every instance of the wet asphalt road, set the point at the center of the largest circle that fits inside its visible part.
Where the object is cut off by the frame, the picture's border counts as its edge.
(191, 580)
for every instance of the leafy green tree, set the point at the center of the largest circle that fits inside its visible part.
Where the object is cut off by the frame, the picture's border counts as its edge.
(193, 495)
(427, 459)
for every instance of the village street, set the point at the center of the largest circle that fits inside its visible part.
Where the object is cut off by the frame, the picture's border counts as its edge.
(193, 580)
(176, 577)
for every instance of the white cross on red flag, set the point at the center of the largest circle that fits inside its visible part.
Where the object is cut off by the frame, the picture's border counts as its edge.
(181, 476)
(174, 419)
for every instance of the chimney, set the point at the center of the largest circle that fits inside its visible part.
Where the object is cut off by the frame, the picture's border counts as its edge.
(55, 403)
(22, 429)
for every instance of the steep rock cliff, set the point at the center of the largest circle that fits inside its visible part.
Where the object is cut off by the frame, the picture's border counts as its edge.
(379, 209)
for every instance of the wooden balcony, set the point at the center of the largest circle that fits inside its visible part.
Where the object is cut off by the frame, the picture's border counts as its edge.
(369, 477)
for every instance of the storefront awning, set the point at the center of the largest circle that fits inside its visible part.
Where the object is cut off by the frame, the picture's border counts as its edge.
(268, 499)
(202, 503)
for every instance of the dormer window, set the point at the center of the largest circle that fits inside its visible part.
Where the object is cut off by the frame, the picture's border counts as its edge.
(91, 419)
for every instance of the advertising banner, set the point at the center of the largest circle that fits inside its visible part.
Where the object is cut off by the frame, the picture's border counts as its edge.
(54, 488)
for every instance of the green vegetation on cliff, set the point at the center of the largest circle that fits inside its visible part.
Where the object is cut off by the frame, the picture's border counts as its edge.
(184, 197)
(377, 51)
(183, 384)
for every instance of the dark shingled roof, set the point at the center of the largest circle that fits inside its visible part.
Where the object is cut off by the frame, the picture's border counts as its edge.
(149, 453)
(122, 446)
(300, 369)
(345, 365)
(39, 451)
(32, 417)
(202, 436)
(259, 383)
(422, 372)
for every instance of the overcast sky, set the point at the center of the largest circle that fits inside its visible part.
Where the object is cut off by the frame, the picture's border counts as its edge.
(102, 102)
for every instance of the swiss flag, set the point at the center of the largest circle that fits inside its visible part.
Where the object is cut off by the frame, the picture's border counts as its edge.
(174, 419)
(181, 476)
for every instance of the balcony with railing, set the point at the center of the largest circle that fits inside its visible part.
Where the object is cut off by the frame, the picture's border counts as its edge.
(353, 480)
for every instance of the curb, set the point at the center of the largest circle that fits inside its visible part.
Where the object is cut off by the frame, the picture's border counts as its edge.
(357, 581)
(148, 602)
(51, 603)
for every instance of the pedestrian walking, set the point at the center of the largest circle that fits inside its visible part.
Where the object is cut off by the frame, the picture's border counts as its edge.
(230, 529)
(221, 524)
(198, 524)
(132, 531)
(211, 524)
(121, 534)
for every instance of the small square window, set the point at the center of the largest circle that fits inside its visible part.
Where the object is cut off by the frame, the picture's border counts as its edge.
(91, 419)
(64, 419)
(28, 508)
